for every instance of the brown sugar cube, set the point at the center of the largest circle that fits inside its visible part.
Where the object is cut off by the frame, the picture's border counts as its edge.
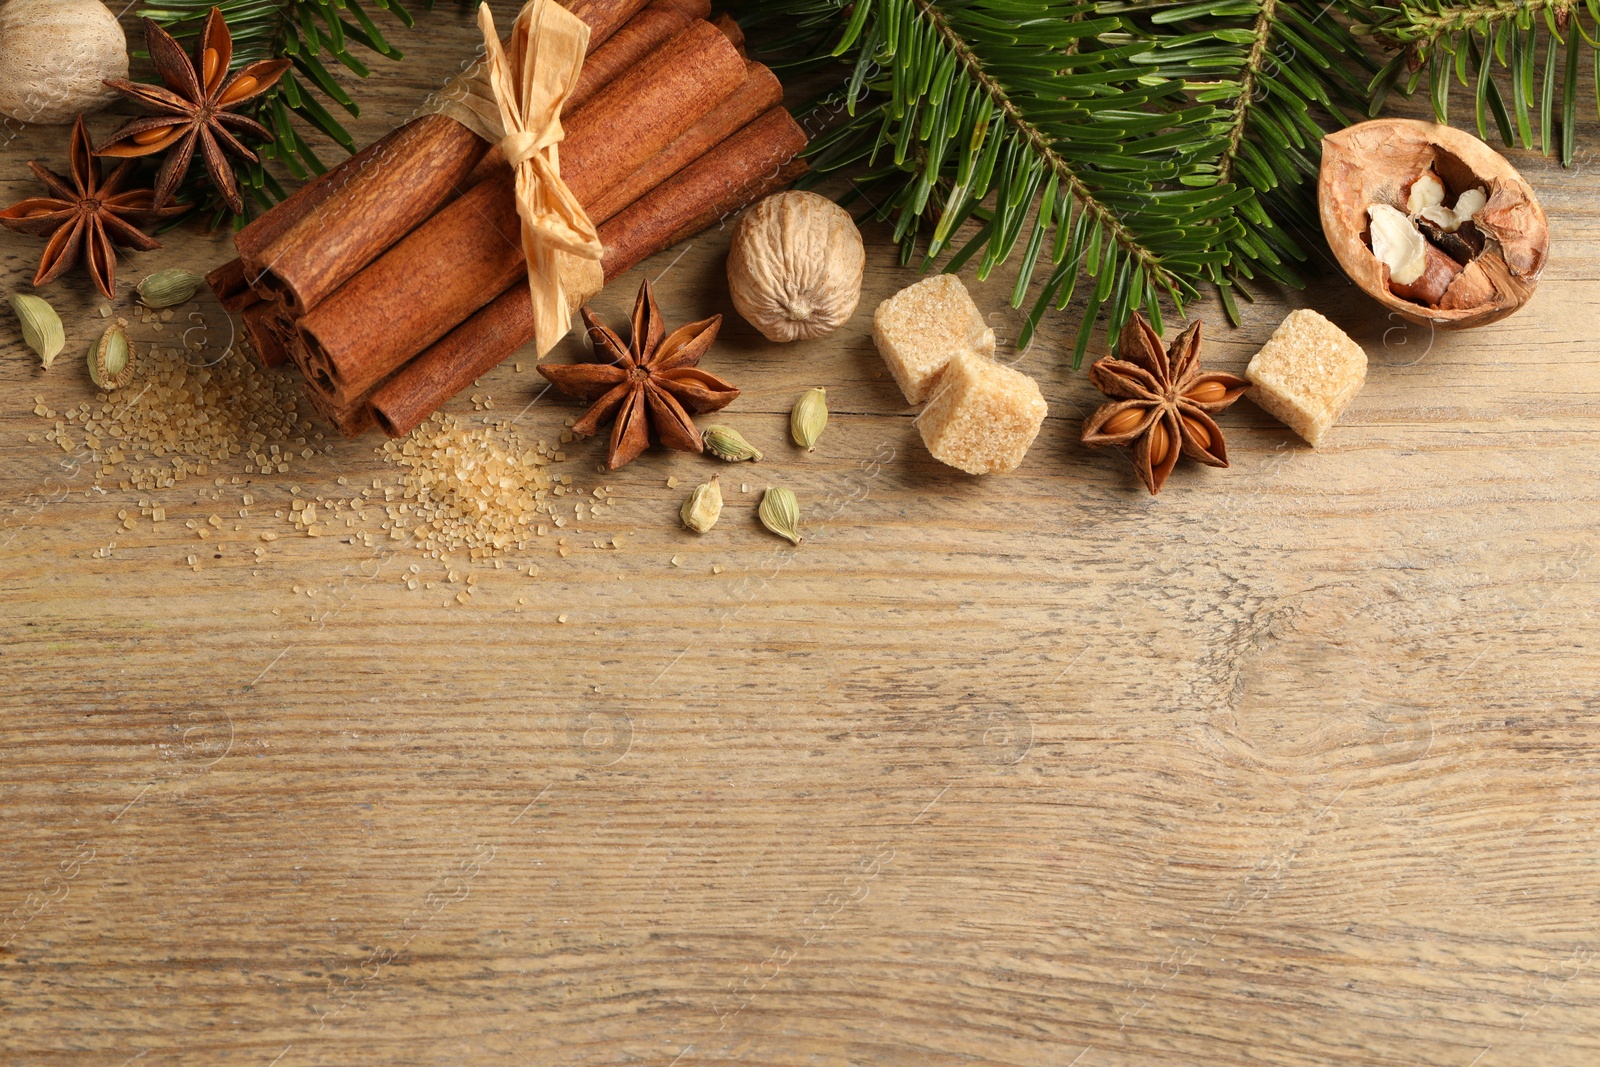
(983, 415)
(920, 328)
(1306, 374)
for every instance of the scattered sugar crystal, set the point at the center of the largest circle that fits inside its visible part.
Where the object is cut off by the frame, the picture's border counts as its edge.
(922, 327)
(177, 419)
(1307, 374)
(983, 416)
(484, 491)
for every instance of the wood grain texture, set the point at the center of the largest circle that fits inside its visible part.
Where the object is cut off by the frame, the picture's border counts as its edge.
(1292, 765)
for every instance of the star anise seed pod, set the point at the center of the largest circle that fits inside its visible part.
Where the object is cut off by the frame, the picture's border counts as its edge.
(86, 216)
(1162, 402)
(650, 386)
(195, 107)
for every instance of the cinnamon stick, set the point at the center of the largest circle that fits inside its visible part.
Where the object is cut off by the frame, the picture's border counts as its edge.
(759, 92)
(708, 190)
(397, 190)
(417, 168)
(351, 420)
(470, 251)
(657, 24)
(730, 26)
(229, 284)
(230, 281)
(743, 169)
(269, 328)
(605, 17)
(646, 109)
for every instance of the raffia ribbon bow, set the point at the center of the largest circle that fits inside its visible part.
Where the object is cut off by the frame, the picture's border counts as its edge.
(530, 80)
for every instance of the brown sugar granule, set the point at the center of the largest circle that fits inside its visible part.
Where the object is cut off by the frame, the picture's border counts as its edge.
(482, 490)
(179, 419)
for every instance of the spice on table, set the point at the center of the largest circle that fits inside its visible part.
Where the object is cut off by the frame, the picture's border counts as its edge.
(649, 384)
(196, 107)
(780, 512)
(55, 55)
(726, 443)
(41, 326)
(795, 266)
(111, 360)
(704, 506)
(191, 421)
(168, 288)
(85, 215)
(809, 418)
(1162, 402)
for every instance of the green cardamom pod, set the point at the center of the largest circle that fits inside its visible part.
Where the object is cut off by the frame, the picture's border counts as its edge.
(809, 417)
(729, 444)
(41, 326)
(704, 506)
(111, 360)
(168, 288)
(780, 512)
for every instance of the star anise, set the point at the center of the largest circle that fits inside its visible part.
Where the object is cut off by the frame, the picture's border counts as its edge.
(196, 106)
(84, 217)
(650, 384)
(1162, 402)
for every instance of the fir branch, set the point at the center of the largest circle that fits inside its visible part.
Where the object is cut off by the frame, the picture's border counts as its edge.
(1249, 80)
(1025, 121)
(1155, 144)
(1040, 144)
(1473, 41)
(1287, 73)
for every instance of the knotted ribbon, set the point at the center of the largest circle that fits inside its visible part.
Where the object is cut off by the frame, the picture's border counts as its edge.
(515, 99)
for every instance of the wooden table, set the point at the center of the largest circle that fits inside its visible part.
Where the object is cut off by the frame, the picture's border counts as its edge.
(1291, 765)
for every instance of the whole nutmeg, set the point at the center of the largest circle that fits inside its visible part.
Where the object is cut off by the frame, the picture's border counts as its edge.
(795, 267)
(53, 57)
(1384, 194)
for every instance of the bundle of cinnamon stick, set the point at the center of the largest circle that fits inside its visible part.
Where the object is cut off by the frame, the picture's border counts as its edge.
(396, 279)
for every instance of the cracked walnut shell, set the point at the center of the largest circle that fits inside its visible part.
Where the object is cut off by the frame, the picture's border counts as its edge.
(1375, 162)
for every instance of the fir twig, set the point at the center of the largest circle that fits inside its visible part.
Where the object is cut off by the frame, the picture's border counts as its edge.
(1153, 144)
(1282, 70)
(1536, 45)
